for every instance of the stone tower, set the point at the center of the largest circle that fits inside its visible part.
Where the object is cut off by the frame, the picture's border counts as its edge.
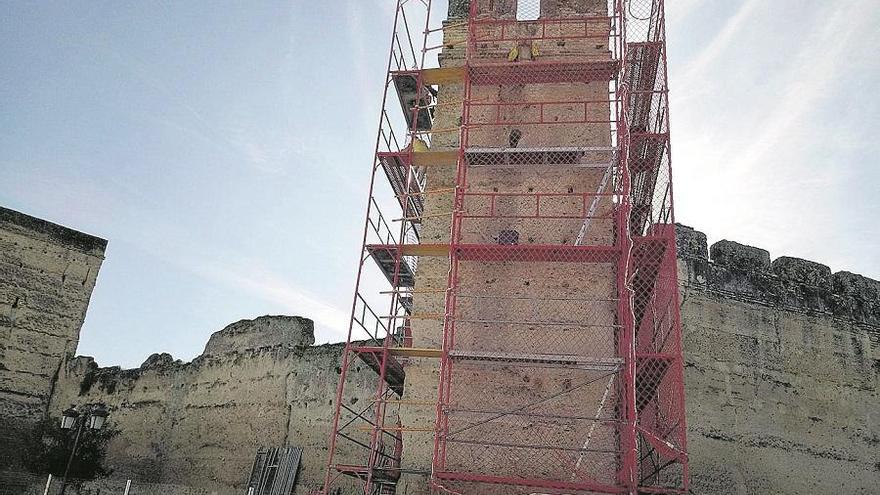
(533, 338)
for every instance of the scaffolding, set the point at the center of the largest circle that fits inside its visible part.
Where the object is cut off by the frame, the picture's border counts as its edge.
(531, 342)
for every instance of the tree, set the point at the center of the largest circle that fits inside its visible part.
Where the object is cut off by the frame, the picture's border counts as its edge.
(48, 449)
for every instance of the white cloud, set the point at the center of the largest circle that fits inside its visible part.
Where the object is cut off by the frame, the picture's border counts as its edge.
(331, 321)
(698, 69)
(679, 10)
(752, 146)
(237, 271)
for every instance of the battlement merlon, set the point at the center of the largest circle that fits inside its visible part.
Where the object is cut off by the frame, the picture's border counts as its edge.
(747, 272)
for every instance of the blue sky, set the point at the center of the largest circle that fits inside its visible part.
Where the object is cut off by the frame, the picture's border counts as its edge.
(224, 148)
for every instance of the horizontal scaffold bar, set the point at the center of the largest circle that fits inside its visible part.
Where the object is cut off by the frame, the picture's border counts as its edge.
(585, 362)
(536, 483)
(523, 252)
(530, 72)
(412, 249)
(378, 474)
(507, 252)
(398, 428)
(406, 402)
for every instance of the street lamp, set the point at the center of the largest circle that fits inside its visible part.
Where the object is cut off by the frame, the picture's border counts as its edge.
(94, 415)
(68, 418)
(97, 417)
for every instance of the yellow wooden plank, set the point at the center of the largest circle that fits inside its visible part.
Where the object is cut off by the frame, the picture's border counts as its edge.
(415, 352)
(415, 316)
(409, 292)
(443, 75)
(419, 218)
(425, 250)
(447, 158)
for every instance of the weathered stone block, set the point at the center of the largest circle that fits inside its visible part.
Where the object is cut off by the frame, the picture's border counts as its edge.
(265, 331)
(803, 271)
(12, 220)
(756, 284)
(690, 243)
(159, 361)
(738, 256)
(851, 284)
(857, 298)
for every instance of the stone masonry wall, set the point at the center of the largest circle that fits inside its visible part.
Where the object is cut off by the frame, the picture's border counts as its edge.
(259, 383)
(782, 372)
(783, 367)
(47, 273)
(501, 111)
(783, 360)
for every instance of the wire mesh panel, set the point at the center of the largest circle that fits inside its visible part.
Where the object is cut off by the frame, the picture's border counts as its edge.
(661, 427)
(561, 367)
(517, 298)
(659, 386)
(532, 386)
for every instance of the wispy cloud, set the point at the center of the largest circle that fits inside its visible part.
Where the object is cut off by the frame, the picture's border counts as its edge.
(140, 223)
(357, 55)
(238, 271)
(823, 53)
(679, 11)
(250, 143)
(331, 321)
(754, 155)
(270, 150)
(697, 69)
(195, 123)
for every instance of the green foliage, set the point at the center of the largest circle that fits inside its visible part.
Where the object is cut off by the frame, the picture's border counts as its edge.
(48, 449)
(88, 380)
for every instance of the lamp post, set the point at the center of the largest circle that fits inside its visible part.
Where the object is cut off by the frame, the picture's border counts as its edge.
(93, 416)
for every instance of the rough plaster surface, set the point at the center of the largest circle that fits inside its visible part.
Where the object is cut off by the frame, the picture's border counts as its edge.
(489, 125)
(782, 372)
(47, 273)
(200, 423)
(782, 378)
(783, 366)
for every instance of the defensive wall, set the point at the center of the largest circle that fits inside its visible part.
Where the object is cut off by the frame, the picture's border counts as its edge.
(783, 366)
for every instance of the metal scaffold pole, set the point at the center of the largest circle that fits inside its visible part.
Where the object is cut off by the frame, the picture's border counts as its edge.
(524, 247)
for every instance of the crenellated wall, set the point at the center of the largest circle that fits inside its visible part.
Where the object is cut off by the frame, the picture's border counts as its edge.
(782, 372)
(746, 272)
(259, 383)
(783, 367)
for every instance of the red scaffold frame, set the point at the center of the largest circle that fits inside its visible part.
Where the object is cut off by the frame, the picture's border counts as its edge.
(561, 184)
